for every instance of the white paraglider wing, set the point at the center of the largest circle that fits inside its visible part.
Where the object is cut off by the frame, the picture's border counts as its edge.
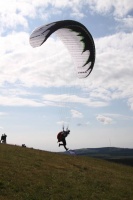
(76, 38)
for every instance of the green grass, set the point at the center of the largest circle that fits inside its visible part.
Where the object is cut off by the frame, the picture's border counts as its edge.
(29, 174)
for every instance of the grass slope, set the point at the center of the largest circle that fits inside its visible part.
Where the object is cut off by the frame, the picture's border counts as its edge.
(29, 174)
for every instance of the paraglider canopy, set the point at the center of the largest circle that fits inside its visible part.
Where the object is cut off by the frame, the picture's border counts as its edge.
(76, 38)
(80, 44)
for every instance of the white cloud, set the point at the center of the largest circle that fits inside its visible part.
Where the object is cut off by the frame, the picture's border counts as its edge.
(122, 8)
(119, 116)
(45, 66)
(119, 8)
(113, 71)
(63, 123)
(101, 93)
(17, 101)
(3, 113)
(76, 114)
(83, 124)
(67, 99)
(125, 23)
(16, 12)
(109, 118)
(11, 15)
(103, 119)
(130, 103)
(87, 123)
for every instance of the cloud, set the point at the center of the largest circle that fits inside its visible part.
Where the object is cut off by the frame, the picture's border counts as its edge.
(103, 119)
(83, 124)
(76, 114)
(118, 116)
(1, 127)
(3, 114)
(113, 73)
(119, 8)
(63, 123)
(130, 103)
(17, 12)
(17, 101)
(67, 99)
(125, 23)
(13, 14)
(19, 61)
(45, 66)
(109, 118)
(87, 123)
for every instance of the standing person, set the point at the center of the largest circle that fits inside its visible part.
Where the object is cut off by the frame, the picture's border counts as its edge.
(3, 138)
(62, 138)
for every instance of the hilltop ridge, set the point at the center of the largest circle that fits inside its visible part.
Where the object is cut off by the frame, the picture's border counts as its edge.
(114, 154)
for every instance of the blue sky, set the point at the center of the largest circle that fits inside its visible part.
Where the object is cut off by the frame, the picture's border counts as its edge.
(33, 88)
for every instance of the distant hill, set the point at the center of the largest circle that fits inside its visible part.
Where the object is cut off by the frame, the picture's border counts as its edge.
(119, 155)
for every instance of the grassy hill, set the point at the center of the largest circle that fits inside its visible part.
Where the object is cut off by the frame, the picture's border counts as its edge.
(29, 174)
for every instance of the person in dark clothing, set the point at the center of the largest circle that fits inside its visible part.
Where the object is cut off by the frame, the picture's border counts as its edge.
(3, 138)
(62, 138)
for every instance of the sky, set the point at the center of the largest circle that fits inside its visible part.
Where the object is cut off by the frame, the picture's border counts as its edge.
(39, 91)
